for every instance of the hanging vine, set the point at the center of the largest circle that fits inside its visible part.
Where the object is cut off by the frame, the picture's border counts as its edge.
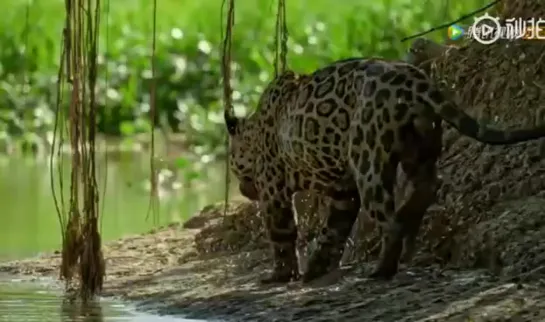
(450, 23)
(280, 39)
(78, 67)
(152, 114)
(227, 88)
(280, 65)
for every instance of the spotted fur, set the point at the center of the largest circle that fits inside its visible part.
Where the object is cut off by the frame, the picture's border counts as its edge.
(342, 131)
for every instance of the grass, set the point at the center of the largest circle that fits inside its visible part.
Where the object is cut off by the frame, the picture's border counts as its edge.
(188, 57)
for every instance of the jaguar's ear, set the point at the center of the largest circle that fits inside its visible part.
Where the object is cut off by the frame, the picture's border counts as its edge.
(231, 122)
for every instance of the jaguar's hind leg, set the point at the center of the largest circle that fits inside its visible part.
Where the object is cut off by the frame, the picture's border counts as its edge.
(419, 163)
(409, 216)
(343, 211)
(375, 182)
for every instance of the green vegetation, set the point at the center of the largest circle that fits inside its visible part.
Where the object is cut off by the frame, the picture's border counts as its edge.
(188, 57)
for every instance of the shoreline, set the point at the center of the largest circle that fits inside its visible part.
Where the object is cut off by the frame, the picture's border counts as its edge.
(167, 271)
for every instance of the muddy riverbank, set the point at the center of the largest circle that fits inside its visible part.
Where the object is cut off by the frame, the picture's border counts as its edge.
(190, 271)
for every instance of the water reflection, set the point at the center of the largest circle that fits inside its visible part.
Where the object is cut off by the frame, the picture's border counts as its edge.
(74, 310)
(43, 301)
(29, 219)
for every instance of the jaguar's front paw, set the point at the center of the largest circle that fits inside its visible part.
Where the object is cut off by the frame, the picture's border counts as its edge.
(384, 272)
(280, 276)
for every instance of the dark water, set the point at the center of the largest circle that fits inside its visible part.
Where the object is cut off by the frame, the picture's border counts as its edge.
(41, 300)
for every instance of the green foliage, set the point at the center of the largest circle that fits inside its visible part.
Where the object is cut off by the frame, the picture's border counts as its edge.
(189, 93)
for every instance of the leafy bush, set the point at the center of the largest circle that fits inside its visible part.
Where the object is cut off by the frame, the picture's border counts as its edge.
(188, 59)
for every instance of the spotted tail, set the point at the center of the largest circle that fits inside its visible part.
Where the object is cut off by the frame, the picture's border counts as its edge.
(468, 126)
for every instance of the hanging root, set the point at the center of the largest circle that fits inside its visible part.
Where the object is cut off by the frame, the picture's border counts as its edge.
(281, 39)
(227, 89)
(72, 246)
(152, 114)
(92, 267)
(81, 238)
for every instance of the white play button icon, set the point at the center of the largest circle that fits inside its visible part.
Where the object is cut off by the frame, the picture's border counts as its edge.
(486, 29)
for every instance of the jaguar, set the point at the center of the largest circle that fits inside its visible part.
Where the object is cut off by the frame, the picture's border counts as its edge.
(342, 131)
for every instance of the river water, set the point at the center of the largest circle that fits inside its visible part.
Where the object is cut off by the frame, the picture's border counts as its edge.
(42, 301)
(30, 224)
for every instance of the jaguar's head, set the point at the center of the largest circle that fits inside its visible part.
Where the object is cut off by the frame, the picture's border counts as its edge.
(244, 133)
(242, 153)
